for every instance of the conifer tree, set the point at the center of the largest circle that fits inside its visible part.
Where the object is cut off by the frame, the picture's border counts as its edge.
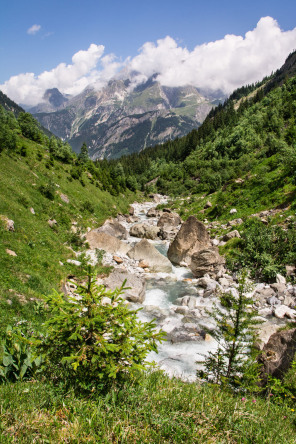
(234, 362)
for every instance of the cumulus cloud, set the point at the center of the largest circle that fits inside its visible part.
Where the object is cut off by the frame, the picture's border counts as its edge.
(34, 29)
(223, 64)
(72, 79)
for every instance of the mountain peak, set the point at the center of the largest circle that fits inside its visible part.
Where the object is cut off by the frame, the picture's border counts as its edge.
(55, 97)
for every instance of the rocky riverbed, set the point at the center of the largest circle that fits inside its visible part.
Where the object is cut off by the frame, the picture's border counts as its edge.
(175, 274)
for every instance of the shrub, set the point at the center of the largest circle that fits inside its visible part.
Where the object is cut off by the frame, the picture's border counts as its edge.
(48, 190)
(91, 343)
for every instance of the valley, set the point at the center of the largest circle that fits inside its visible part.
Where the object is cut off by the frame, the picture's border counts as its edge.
(178, 223)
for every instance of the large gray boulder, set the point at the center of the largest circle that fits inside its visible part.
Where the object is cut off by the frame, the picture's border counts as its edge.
(169, 219)
(192, 237)
(278, 354)
(113, 228)
(146, 231)
(144, 251)
(103, 241)
(136, 286)
(207, 261)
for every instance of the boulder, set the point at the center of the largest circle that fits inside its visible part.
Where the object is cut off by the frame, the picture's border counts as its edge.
(280, 279)
(264, 333)
(208, 204)
(231, 235)
(167, 233)
(146, 231)
(170, 219)
(153, 212)
(144, 251)
(283, 311)
(136, 286)
(118, 259)
(113, 228)
(8, 223)
(280, 289)
(192, 237)
(278, 354)
(207, 261)
(104, 241)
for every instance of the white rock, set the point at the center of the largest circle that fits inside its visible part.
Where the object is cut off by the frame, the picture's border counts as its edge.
(182, 310)
(233, 210)
(74, 262)
(280, 279)
(282, 310)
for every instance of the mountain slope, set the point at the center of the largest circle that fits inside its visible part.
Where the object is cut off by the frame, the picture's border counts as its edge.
(119, 120)
(243, 154)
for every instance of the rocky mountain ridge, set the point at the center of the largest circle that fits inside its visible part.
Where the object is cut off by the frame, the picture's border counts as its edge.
(120, 119)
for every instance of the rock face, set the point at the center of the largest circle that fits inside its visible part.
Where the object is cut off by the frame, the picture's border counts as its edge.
(113, 228)
(170, 219)
(192, 237)
(207, 261)
(104, 241)
(137, 286)
(144, 251)
(146, 231)
(278, 354)
(117, 119)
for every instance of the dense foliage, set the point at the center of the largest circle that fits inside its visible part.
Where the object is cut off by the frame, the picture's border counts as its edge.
(263, 249)
(254, 124)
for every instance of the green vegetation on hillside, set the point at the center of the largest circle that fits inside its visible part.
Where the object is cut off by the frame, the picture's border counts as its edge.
(242, 157)
(52, 196)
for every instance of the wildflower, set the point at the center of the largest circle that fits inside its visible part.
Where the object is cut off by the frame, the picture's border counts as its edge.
(254, 400)
(243, 399)
(292, 410)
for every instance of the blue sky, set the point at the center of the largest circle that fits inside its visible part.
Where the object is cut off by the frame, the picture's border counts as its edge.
(122, 27)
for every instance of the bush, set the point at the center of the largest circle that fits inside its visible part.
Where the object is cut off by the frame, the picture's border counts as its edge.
(91, 343)
(48, 190)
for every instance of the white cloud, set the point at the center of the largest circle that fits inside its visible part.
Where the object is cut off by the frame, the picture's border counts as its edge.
(73, 78)
(34, 29)
(224, 64)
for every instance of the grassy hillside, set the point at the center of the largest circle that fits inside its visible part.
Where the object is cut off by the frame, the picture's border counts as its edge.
(35, 189)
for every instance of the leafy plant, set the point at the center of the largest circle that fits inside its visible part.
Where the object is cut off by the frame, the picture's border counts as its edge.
(234, 361)
(17, 359)
(92, 341)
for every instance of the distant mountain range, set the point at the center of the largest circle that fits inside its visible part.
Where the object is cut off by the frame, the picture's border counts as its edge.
(119, 119)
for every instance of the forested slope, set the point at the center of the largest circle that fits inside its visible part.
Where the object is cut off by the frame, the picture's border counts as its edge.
(251, 138)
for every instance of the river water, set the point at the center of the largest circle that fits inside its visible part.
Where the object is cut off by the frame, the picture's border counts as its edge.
(185, 345)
